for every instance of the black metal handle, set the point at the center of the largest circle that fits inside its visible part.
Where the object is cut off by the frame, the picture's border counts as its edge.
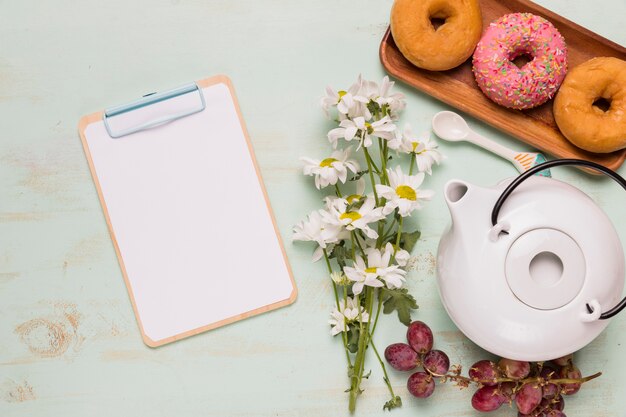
(549, 164)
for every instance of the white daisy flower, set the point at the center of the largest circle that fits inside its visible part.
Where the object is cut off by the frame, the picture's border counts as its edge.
(395, 102)
(353, 219)
(383, 128)
(369, 90)
(360, 191)
(314, 229)
(347, 313)
(402, 257)
(339, 278)
(347, 130)
(360, 129)
(403, 192)
(349, 103)
(377, 272)
(396, 142)
(424, 147)
(341, 99)
(330, 170)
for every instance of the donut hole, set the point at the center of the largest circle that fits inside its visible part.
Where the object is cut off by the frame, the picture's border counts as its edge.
(438, 17)
(437, 22)
(603, 104)
(520, 60)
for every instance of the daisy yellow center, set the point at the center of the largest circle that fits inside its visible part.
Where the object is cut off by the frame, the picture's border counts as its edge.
(352, 215)
(341, 94)
(404, 191)
(327, 162)
(352, 198)
(370, 270)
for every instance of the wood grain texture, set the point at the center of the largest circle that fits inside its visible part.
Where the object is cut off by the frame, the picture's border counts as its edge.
(537, 126)
(69, 342)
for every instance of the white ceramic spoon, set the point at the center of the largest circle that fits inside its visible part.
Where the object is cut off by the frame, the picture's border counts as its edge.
(452, 127)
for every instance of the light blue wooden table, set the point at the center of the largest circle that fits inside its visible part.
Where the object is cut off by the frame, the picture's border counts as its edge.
(69, 344)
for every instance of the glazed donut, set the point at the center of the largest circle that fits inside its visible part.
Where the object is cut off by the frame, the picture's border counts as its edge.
(580, 120)
(511, 36)
(445, 47)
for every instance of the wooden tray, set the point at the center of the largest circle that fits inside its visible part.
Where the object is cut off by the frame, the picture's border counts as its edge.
(457, 87)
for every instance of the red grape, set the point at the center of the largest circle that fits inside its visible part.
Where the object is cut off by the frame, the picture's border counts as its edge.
(401, 356)
(565, 360)
(487, 399)
(528, 398)
(484, 371)
(508, 389)
(570, 372)
(436, 362)
(514, 369)
(550, 390)
(420, 337)
(559, 404)
(421, 385)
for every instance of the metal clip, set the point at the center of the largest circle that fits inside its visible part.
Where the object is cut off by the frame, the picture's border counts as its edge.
(147, 101)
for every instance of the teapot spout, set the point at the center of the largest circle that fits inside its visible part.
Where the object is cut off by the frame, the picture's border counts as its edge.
(458, 194)
(455, 191)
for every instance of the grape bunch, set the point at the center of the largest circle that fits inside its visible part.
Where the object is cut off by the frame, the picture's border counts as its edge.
(418, 352)
(536, 388)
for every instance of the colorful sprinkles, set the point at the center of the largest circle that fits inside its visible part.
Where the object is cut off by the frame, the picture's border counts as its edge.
(505, 39)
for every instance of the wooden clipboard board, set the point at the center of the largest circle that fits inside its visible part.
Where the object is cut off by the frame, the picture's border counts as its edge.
(195, 253)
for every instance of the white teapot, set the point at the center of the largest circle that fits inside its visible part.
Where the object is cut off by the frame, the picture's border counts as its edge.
(531, 269)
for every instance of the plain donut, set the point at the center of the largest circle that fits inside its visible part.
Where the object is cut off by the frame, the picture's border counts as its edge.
(439, 49)
(579, 119)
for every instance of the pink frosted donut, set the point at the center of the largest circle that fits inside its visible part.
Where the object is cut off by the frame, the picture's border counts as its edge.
(505, 39)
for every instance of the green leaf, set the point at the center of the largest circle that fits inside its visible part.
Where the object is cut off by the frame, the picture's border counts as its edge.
(341, 254)
(373, 107)
(358, 175)
(393, 403)
(353, 339)
(408, 240)
(401, 301)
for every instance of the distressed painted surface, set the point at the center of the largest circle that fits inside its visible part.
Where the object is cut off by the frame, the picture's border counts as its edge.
(69, 343)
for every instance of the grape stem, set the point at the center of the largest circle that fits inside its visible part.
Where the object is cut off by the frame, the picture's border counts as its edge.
(539, 380)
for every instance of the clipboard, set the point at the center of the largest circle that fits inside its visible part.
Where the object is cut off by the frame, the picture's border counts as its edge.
(187, 211)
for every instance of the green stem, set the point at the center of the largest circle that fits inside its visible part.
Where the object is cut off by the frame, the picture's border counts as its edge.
(412, 163)
(369, 166)
(380, 303)
(382, 365)
(393, 223)
(395, 249)
(337, 190)
(358, 243)
(353, 245)
(359, 362)
(376, 170)
(399, 231)
(384, 156)
(344, 337)
(383, 162)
